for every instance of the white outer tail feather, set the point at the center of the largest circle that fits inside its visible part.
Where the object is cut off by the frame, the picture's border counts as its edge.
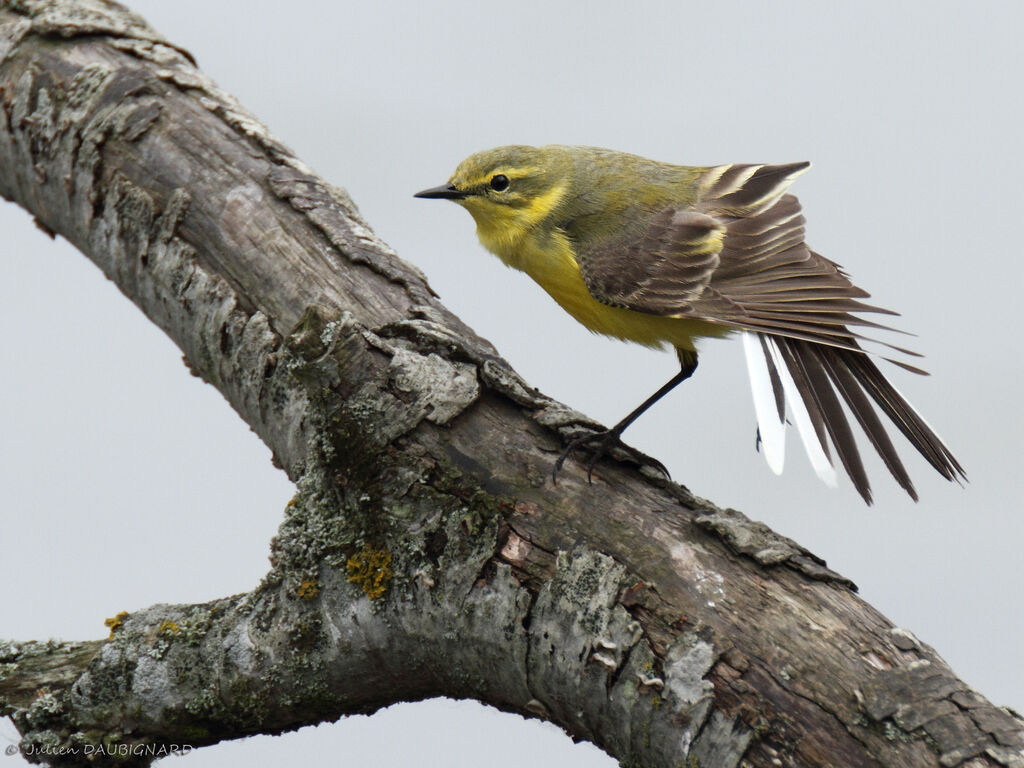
(767, 415)
(771, 429)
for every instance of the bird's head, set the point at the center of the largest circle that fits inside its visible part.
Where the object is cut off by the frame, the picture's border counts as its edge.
(509, 190)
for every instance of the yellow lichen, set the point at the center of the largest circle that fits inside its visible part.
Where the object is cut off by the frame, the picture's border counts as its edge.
(168, 628)
(115, 622)
(371, 570)
(308, 589)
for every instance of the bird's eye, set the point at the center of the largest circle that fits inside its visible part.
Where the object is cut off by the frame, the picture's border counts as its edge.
(499, 183)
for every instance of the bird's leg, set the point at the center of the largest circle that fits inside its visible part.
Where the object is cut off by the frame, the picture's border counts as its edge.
(603, 441)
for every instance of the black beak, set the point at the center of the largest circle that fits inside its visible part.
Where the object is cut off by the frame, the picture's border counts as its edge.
(444, 192)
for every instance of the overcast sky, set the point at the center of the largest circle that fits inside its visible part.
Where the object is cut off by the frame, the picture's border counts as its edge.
(112, 456)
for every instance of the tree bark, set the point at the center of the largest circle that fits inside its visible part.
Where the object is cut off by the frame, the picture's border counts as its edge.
(426, 551)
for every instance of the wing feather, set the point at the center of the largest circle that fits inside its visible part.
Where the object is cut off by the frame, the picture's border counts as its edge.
(661, 271)
(737, 257)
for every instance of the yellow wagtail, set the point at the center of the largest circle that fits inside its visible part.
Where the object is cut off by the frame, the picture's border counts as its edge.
(665, 254)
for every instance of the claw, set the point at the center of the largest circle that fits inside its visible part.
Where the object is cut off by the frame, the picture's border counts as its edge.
(657, 465)
(610, 437)
(603, 442)
(567, 452)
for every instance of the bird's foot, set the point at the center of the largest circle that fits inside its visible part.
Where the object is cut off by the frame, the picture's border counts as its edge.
(605, 443)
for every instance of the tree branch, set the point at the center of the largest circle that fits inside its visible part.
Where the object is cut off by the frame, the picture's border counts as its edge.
(426, 551)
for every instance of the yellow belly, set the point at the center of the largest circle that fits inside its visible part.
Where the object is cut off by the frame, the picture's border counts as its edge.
(554, 268)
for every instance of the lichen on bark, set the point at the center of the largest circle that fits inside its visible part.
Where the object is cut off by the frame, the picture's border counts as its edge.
(426, 551)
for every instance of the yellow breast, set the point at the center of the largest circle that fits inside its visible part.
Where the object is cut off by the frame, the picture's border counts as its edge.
(551, 263)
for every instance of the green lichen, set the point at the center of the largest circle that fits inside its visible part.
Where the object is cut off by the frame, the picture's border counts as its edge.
(248, 706)
(894, 733)
(305, 635)
(317, 529)
(192, 629)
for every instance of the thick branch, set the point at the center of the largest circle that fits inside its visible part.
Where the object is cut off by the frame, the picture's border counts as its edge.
(426, 551)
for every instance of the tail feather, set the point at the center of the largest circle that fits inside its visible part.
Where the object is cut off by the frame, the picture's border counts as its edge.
(908, 420)
(809, 427)
(768, 404)
(859, 404)
(814, 381)
(776, 381)
(813, 385)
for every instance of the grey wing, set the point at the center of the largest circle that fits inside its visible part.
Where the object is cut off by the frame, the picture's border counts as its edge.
(802, 306)
(736, 257)
(768, 280)
(662, 269)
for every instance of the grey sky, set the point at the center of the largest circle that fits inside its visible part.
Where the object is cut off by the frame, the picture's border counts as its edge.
(113, 457)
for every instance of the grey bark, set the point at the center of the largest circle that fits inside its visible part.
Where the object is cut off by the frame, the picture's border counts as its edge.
(426, 551)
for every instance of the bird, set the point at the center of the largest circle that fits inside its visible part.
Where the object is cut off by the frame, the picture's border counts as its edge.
(665, 255)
